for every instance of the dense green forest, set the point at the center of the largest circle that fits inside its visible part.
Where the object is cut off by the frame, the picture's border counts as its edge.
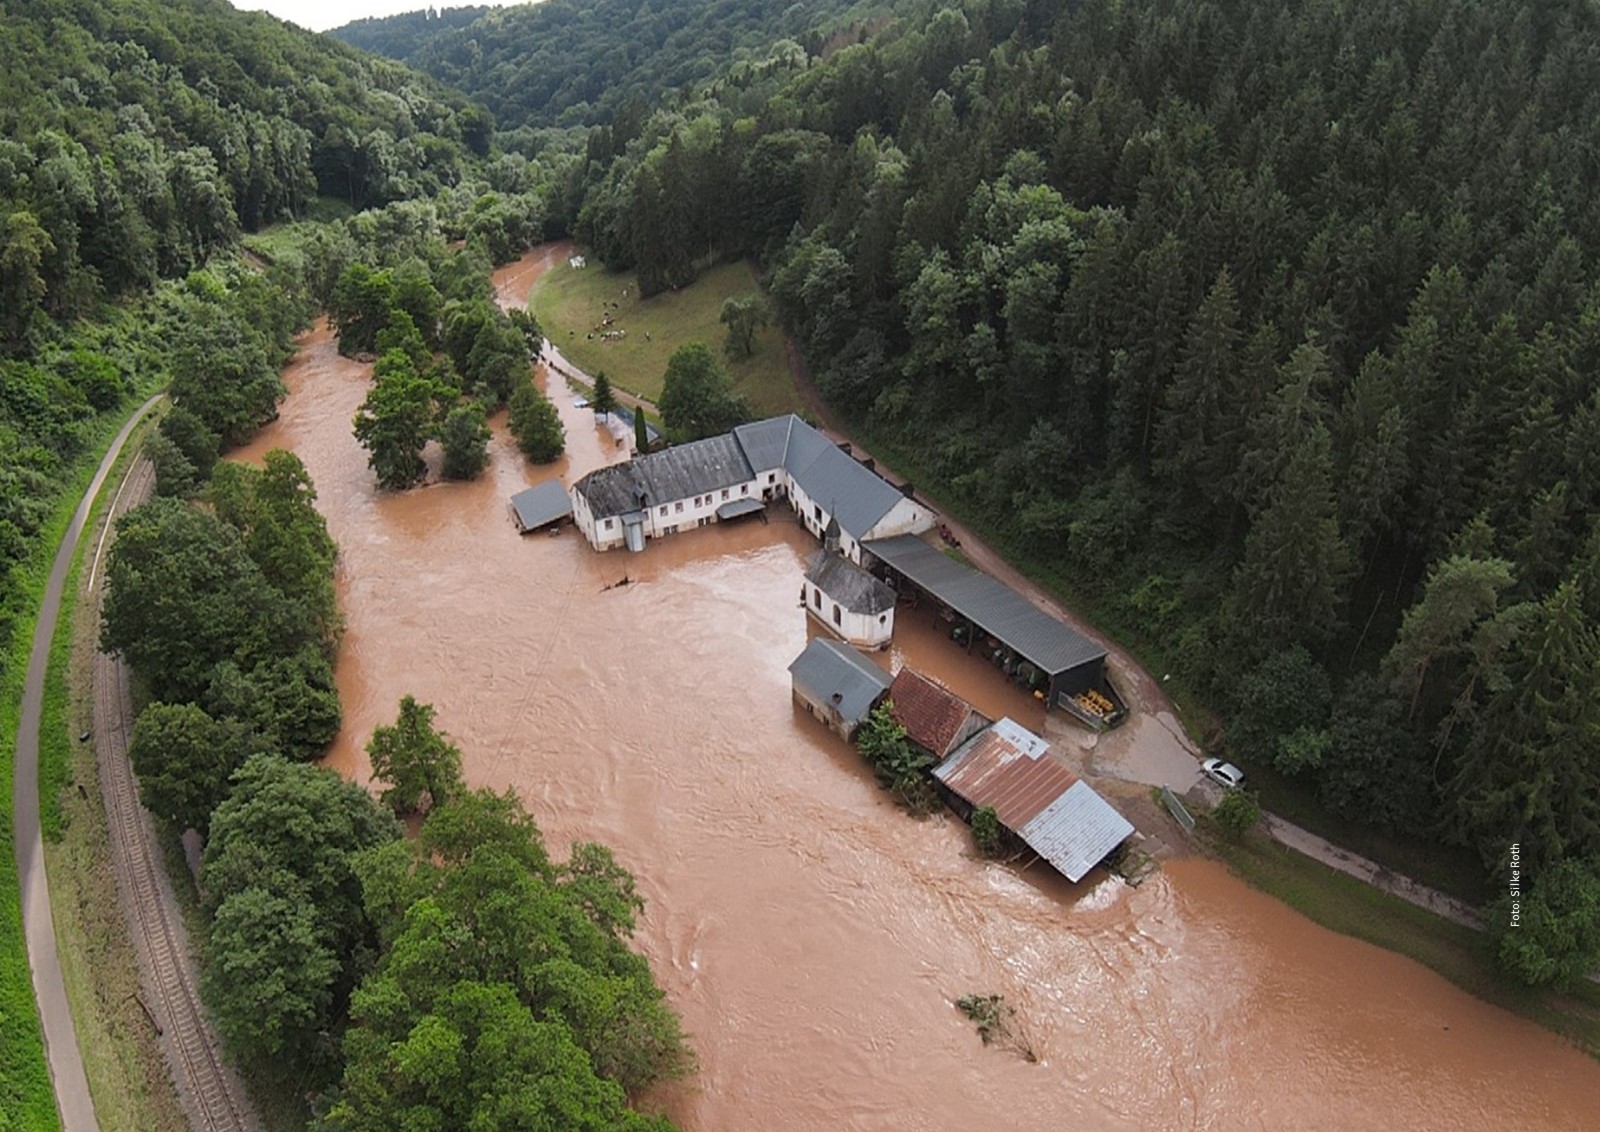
(1272, 328)
(340, 962)
(140, 142)
(571, 62)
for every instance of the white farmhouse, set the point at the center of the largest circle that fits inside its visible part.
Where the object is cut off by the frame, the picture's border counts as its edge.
(724, 477)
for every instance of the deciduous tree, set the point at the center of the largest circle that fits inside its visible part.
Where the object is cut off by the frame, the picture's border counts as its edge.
(536, 425)
(422, 768)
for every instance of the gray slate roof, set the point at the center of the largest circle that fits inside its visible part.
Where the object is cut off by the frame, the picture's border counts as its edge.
(856, 497)
(541, 504)
(995, 608)
(848, 584)
(843, 486)
(679, 472)
(828, 667)
(765, 442)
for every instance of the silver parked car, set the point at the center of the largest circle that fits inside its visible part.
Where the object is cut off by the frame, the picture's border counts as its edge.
(1223, 774)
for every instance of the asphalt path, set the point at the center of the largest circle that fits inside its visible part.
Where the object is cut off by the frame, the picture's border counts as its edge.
(73, 1101)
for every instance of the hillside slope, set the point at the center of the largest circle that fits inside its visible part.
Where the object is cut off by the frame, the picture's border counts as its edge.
(574, 62)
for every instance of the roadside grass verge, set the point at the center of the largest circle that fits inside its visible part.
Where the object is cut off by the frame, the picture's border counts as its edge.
(1452, 869)
(26, 1095)
(1462, 955)
(570, 304)
(121, 1052)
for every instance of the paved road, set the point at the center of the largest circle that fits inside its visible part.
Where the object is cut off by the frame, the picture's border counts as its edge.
(210, 1091)
(38, 926)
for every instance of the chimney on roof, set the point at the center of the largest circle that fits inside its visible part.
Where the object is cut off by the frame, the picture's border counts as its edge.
(838, 697)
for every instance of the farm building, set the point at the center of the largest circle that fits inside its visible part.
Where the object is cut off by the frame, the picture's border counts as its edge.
(726, 476)
(846, 600)
(935, 718)
(1039, 801)
(662, 492)
(824, 483)
(1059, 664)
(838, 685)
(540, 506)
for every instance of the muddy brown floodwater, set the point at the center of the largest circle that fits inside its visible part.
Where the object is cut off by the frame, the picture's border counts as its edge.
(811, 936)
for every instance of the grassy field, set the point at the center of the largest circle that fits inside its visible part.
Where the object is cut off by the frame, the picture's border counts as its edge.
(26, 1098)
(570, 304)
(127, 1073)
(1460, 954)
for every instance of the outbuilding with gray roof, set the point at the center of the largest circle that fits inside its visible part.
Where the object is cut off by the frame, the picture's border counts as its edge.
(838, 685)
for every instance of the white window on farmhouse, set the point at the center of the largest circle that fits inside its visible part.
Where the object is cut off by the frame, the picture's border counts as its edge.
(744, 489)
(679, 506)
(816, 597)
(724, 493)
(663, 509)
(608, 524)
(838, 618)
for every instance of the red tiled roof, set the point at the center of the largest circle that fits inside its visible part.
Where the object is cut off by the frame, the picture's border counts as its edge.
(931, 714)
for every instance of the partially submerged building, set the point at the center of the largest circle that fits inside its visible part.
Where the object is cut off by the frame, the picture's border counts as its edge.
(838, 685)
(542, 505)
(935, 718)
(1040, 802)
(846, 600)
(1063, 667)
(724, 477)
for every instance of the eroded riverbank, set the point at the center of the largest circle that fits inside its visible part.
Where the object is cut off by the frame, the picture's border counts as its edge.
(811, 935)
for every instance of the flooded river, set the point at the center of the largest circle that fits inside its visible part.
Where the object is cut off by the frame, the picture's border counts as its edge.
(811, 936)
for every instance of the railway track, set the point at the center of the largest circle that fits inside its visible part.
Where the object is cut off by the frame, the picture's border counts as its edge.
(211, 1093)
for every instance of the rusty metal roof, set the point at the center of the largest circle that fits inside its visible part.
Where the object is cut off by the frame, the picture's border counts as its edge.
(1057, 815)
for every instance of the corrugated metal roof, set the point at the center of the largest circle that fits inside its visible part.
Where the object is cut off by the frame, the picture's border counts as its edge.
(848, 584)
(541, 504)
(679, 472)
(827, 668)
(1061, 818)
(994, 607)
(932, 714)
(1076, 831)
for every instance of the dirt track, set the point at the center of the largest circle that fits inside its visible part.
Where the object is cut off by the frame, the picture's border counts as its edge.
(211, 1093)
